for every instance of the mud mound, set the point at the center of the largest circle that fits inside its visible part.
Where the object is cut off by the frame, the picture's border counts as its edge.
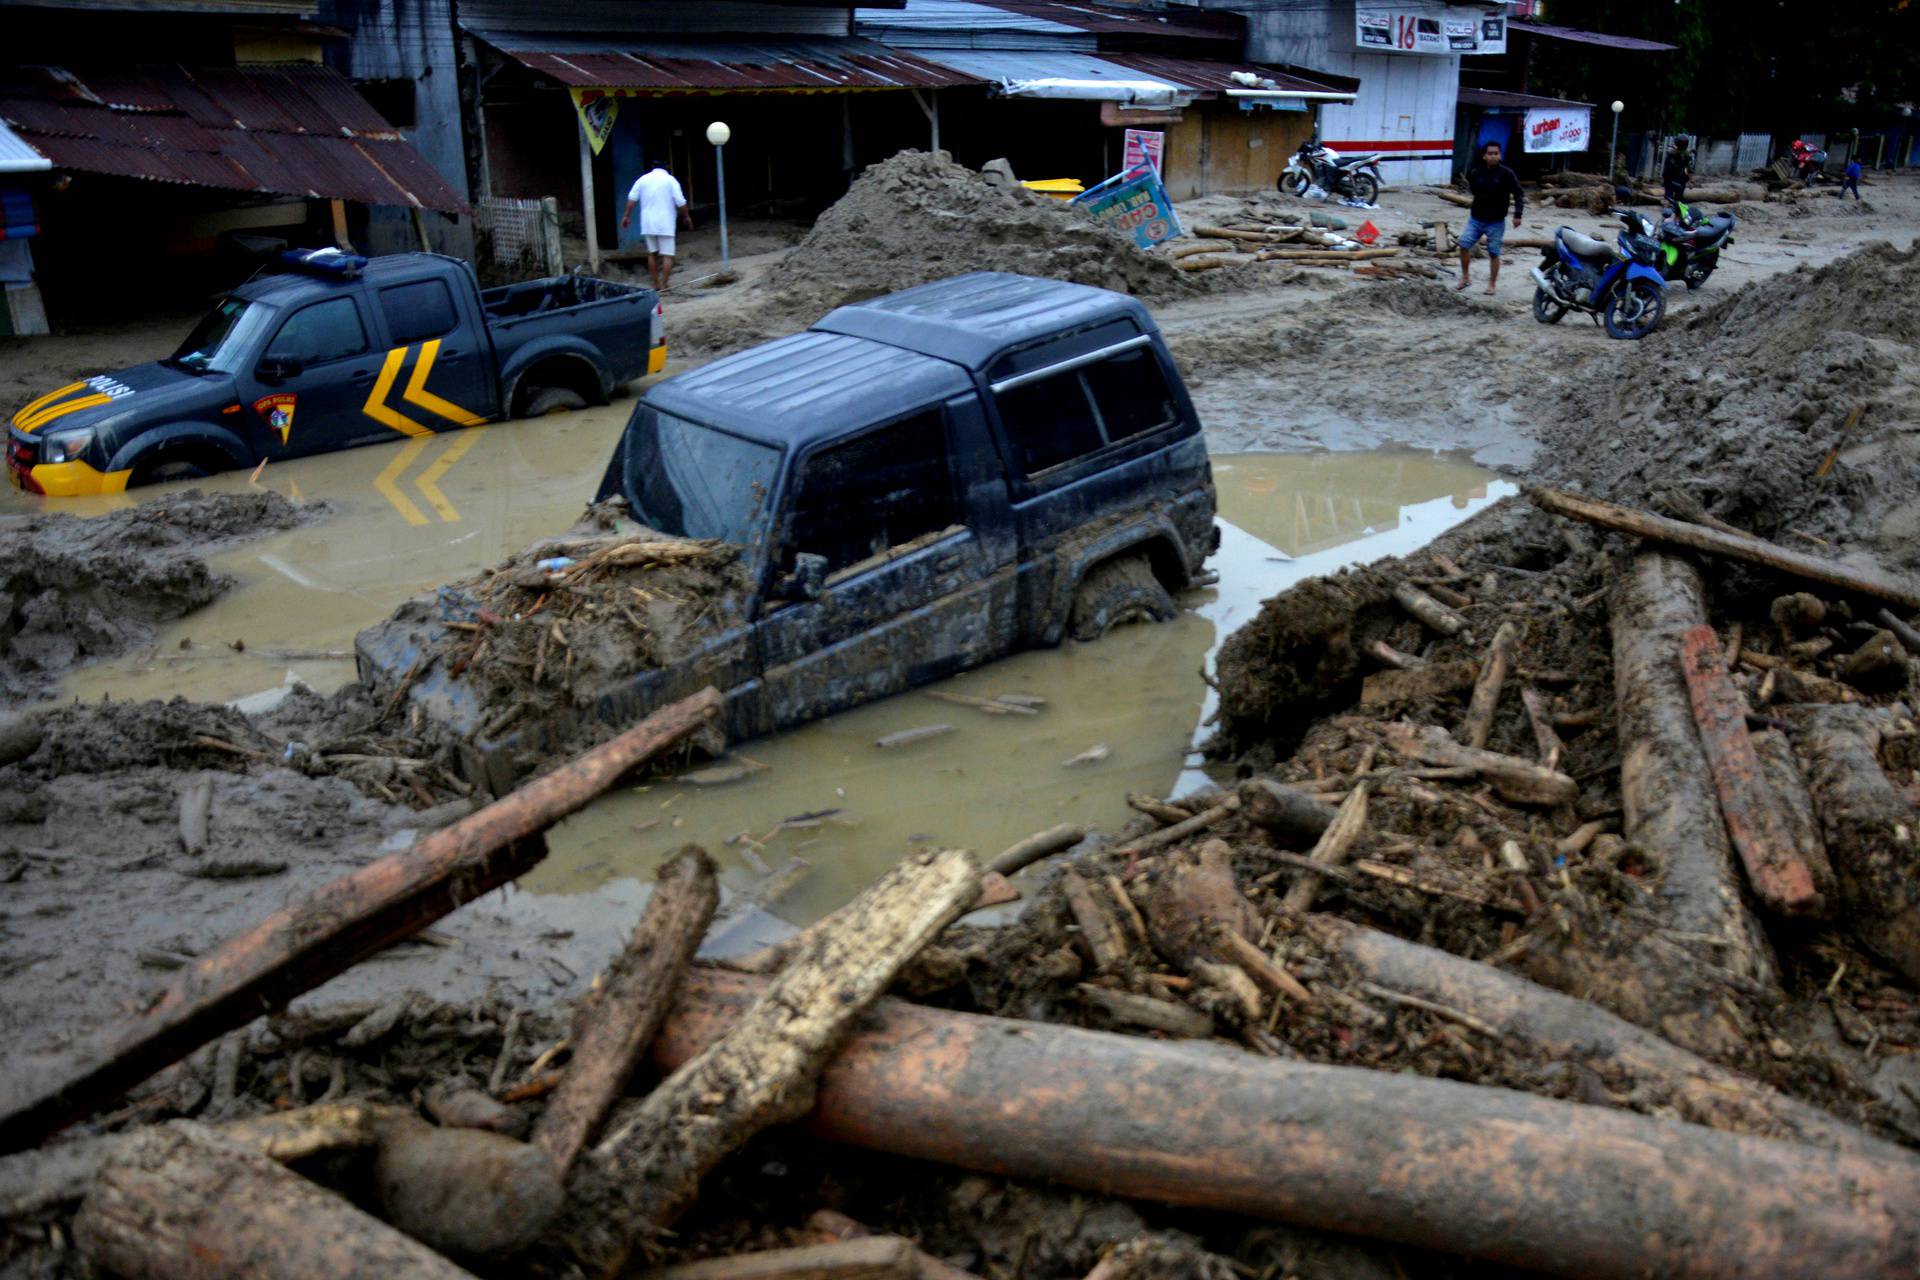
(76, 589)
(1416, 298)
(920, 217)
(1742, 404)
(554, 626)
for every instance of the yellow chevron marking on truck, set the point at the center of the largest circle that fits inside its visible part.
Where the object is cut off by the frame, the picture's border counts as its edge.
(376, 406)
(20, 418)
(61, 410)
(417, 393)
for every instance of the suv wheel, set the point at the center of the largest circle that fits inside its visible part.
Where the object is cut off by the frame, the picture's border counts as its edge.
(1116, 593)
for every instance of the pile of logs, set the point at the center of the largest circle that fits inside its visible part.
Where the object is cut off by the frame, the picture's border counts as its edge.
(1750, 777)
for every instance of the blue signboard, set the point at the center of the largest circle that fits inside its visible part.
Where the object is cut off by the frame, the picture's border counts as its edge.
(1134, 202)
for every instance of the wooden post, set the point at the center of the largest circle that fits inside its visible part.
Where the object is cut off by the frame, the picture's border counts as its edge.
(339, 208)
(179, 1202)
(587, 202)
(1562, 1188)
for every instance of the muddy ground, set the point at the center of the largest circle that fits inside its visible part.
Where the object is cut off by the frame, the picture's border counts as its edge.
(1736, 404)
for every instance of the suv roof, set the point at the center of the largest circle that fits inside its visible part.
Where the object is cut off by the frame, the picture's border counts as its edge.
(973, 318)
(808, 387)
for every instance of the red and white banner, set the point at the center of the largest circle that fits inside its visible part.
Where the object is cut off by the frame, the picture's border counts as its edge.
(1557, 129)
(1144, 146)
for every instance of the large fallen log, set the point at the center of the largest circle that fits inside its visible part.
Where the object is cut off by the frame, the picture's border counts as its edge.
(1557, 1026)
(763, 1071)
(1872, 832)
(617, 1023)
(1778, 875)
(1565, 1189)
(179, 1202)
(1679, 533)
(338, 925)
(1671, 972)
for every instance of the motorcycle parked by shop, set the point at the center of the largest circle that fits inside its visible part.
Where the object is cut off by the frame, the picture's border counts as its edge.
(1343, 177)
(1620, 285)
(1690, 244)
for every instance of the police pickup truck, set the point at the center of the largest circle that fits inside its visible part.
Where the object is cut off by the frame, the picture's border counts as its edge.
(919, 484)
(337, 351)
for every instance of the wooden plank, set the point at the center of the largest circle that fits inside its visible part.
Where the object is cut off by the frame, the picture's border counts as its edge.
(1779, 877)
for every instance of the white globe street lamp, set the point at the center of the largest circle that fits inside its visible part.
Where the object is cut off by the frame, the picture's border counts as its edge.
(718, 134)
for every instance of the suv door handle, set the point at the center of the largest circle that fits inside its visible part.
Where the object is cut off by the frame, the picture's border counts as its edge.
(362, 375)
(950, 561)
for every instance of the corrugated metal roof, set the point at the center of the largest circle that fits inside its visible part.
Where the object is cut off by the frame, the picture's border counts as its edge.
(1502, 98)
(626, 62)
(1003, 66)
(922, 16)
(1212, 76)
(1577, 36)
(1118, 20)
(296, 129)
(17, 156)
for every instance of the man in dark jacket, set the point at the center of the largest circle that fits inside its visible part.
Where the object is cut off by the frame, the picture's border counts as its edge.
(1675, 172)
(1493, 186)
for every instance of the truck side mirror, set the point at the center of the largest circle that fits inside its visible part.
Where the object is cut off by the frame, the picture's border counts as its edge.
(808, 579)
(277, 369)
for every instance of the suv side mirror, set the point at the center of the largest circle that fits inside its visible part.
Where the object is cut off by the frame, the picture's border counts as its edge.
(808, 579)
(277, 368)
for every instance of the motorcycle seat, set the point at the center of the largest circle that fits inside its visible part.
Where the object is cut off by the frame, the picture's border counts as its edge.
(1584, 246)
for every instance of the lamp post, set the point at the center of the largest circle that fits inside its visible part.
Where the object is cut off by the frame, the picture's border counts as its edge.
(717, 134)
(1613, 148)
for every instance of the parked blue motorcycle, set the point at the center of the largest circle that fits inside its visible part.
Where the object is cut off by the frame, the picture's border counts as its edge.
(1619, 285)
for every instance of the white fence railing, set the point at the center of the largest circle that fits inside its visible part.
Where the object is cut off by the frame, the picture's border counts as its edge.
(520, 235)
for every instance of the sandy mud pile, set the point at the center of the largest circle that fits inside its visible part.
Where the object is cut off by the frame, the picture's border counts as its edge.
(1740, 407)
(74, 590)
(919, 217)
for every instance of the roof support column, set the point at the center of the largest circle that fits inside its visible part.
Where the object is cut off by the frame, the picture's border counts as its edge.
(930, 107)
(846, 134)
(586, 197)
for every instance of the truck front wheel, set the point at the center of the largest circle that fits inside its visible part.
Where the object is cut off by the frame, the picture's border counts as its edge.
(553, 400)
(1120, 591)
(176, 465)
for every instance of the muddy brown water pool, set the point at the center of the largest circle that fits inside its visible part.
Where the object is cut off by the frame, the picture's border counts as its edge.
(829, 810)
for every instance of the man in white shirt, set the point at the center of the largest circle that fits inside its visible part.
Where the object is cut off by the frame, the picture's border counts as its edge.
(658, 194)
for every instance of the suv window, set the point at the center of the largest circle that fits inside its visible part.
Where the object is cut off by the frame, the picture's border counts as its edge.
(1055, 420)
(869, 496)
(423, 309)
(329, 330)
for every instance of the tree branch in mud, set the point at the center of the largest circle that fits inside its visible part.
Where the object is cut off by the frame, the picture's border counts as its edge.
(1566, 1189)
(618, 1022)
(1679, 533)
(1521, 781)
(1478, 723)
(299, 947)
(761, 1072)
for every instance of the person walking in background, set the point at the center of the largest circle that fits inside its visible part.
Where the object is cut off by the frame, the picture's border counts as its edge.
(1493, 187)
(1675, 172)
(1852, 180)
(658, 194)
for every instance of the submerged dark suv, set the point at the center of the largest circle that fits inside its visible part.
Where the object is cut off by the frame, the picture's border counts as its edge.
(921, 483)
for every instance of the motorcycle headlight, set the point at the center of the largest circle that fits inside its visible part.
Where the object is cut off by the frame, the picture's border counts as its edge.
(65, 446)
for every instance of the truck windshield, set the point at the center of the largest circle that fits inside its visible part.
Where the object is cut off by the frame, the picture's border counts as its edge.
(695, 482)
(220, 342)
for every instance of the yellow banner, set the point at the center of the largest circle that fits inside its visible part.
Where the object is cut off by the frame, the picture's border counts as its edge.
(597, 110)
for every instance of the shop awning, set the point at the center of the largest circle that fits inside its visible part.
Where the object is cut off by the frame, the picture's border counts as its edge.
(1576, 36)
(1208, 75)
(293, 129)
(827, 64)
(1513, 101)
(1140, 78)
